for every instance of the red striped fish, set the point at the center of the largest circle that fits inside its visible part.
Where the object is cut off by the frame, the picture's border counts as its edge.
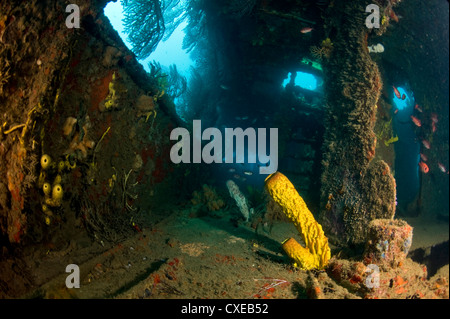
(416, 121)
(397, 93)
(426, 144)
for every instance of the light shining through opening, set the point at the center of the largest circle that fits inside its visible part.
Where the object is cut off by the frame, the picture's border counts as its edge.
(399, 103)
(304, 80)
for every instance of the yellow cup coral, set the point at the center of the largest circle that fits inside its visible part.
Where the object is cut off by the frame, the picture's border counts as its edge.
(46, 210)
(317, 253)
(57, 180)
(61, 166)
(45, 161)
(57, 193)
(47, 189)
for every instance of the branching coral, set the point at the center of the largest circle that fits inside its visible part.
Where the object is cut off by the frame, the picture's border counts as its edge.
(126, 194)
(144, 24)
(177, 83)
(148, 21)
(102, 225)
(324, 51)
(4, 77)
(5, 66)
(209, 198)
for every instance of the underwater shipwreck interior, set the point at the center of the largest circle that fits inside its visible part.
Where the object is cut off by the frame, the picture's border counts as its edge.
(347, 103)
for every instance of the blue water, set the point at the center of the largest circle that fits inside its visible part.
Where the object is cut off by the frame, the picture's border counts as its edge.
(303, 80)
(407, 149)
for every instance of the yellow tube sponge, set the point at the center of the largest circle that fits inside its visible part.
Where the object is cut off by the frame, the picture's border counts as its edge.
(317, 253)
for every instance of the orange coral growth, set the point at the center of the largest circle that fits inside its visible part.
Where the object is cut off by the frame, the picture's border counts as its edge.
(209, 198)
(85, 143)
(399, 281)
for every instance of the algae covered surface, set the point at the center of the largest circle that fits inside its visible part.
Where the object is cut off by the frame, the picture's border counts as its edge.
(186, 256)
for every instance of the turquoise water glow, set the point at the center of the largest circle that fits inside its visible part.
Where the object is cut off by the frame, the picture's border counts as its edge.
(303, 80)
(399, 103)
(166, 53)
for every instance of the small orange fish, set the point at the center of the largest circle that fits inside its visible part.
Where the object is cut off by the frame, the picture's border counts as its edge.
(418, 108)
(426, 144)
(396, 111)
(433, 127)
(403, 96)
(434, 117)
(397, 93)
(424, 167)
(416, 121)
(393, 16)
(423, 157)
(306, 30)
(442, 168)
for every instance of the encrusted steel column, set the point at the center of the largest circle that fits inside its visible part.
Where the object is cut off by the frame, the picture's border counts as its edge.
(355, 188)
